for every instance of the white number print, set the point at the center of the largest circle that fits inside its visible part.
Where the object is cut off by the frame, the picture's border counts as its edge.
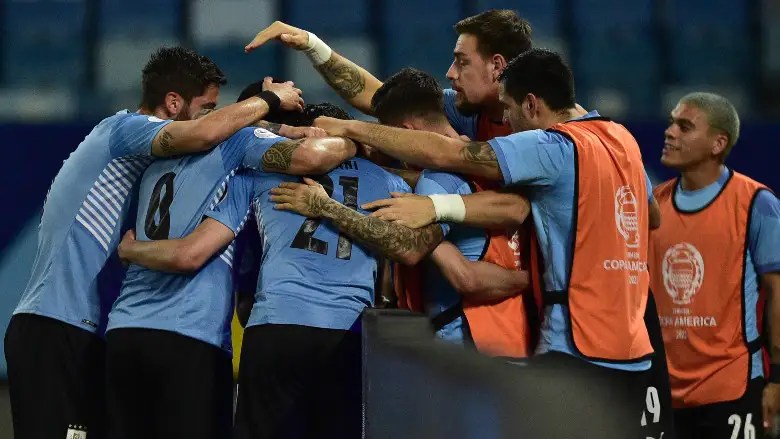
(749, 431)
(653, 404)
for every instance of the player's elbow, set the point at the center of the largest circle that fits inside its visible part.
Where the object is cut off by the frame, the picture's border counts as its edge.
(187, 259)
(467, 286)
(320, 155)
(518, 213)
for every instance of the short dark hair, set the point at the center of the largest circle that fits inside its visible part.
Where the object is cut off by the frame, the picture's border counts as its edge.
(180, 70)
(250, 90)
(313, 111)
(543, 73)
(295, 118)
(499, 31)
(409, 92)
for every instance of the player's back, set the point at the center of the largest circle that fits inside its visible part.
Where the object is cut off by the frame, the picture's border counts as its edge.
(311, 274)
(174, 196)
(83, 216)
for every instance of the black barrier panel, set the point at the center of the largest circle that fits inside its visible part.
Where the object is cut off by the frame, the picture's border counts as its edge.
(418, 387)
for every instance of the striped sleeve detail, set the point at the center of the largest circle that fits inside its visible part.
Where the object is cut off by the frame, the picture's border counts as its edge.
(102, 208)
(228, 254)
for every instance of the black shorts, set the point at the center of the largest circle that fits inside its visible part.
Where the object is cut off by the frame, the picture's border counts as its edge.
(299, 382)
(166, 385)
(657, 416)
(742, 419)
(580, 395)
(56, 379)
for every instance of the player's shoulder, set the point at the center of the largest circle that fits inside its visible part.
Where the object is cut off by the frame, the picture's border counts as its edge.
(766, 203)
(445, 179)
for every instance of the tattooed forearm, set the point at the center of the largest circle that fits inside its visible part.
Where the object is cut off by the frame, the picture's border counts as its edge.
(479, 152)
(398, 243)
(279, 157)
(343, 76)
(166, 140)
(270, 126)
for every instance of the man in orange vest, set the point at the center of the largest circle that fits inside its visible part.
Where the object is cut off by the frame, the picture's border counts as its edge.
(585, 179)
(712, 263)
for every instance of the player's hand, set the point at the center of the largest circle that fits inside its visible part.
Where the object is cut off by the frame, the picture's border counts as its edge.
(304, 199)
(408, 210)
(300, 132)
(331, 125)
(127, 241)
(289, 96)
(771, 404)
(291, 36)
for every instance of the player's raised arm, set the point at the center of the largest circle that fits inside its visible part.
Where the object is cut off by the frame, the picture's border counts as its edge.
(201, 134)
(352, 82)
(420, 148)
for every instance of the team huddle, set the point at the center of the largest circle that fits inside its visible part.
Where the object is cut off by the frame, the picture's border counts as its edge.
(522, 224)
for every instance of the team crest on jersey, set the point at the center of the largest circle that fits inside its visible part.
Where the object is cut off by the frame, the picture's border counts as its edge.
(683, 272)
(262, 133)
(627, 216)
(76, 432)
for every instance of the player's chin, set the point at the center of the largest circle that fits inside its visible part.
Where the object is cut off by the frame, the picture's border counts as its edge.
(464, 106)
(668, 160)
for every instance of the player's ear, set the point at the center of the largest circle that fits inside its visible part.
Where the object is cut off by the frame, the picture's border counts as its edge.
(499, 64)
(173, 103)
(720, 143)
(530, 105)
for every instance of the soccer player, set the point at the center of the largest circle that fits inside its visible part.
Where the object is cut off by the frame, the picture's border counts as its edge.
(577, 168)
(169, 334)
(55, 355)
(472, 282)
(486, 42)
(713, 262)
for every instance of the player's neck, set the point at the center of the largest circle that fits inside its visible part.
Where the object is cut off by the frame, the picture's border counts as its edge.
(701, 176)
(556, 117)
(158, 112)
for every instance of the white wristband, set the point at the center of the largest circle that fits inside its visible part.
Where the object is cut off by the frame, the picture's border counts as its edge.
(318, 52)
(449, 208)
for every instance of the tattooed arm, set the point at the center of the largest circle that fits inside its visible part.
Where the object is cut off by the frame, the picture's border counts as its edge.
(352, 82)
(420, 148)
(309, 156)
(201, 134)
(396, 242)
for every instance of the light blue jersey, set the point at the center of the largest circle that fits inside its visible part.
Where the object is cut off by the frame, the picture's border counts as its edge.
(312, 275)
(174, 197)
(763, 242)
(439, 293)
(544, 162)
(83, 216)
